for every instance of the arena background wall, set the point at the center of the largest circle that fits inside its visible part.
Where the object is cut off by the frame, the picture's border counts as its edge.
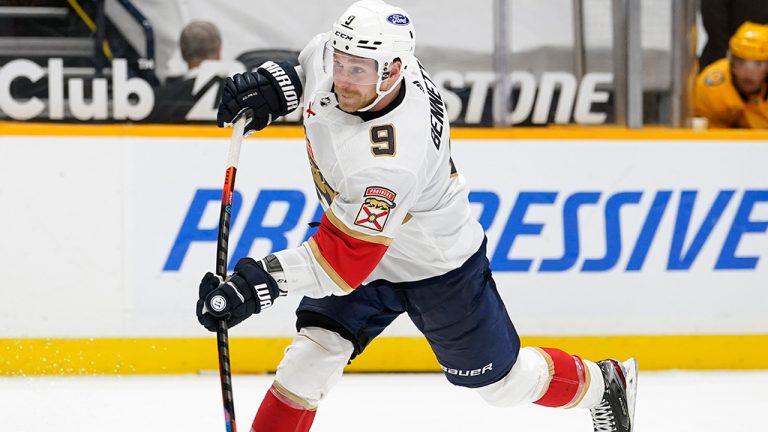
(649, 243)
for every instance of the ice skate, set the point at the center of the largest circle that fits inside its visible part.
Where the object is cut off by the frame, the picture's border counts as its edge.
(616, 411)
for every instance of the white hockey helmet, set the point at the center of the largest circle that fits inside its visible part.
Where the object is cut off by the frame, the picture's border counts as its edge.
(375, 30)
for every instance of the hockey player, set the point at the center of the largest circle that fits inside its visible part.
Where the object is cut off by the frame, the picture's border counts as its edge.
(397, 236)
(733, 92)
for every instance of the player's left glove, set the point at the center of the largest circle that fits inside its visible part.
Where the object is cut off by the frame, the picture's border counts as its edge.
(247, 291)
(272, 91)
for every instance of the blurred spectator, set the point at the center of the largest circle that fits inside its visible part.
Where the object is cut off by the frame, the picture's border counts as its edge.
(200, 43)
(732, 91)
(721, 18)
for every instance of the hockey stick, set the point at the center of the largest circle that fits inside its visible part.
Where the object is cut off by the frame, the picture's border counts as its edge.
(222, 243)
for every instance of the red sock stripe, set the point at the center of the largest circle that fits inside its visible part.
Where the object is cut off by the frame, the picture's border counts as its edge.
(567, 381)
(274, 415)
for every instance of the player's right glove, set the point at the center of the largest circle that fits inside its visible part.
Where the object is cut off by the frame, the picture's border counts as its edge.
(247, 291)
(272, 91)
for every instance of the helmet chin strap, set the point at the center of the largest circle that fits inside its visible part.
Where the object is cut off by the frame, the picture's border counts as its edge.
(381, 94)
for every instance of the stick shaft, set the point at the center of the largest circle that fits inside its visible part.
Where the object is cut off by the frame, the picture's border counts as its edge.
(222, 247)
(225, 376)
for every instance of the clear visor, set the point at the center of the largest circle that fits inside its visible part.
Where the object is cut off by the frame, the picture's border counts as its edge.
(748, 64)
(349, 69)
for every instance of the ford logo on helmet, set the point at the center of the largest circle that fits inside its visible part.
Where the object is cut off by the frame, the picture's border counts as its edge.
(398, 19)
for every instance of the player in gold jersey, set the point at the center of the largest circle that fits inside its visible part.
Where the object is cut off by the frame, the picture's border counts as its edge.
(733, 92)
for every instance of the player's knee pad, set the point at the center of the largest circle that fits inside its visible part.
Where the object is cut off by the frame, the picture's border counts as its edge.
(313, 363)
(525, 382)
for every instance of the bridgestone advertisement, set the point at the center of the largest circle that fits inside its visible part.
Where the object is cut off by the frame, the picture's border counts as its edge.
(148, 63)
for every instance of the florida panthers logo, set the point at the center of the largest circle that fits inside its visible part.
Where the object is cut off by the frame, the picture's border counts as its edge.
(378, 202)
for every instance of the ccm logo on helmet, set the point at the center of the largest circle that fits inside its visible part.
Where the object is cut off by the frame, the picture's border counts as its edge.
(398, 19)
(342, 35)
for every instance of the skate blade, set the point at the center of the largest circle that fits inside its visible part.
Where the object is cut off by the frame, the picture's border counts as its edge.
(630, 370)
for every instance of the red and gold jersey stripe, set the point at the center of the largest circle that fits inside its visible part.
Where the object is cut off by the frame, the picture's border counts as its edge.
(347, 256)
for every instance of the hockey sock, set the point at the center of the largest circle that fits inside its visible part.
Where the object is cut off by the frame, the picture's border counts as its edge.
(570, 379)
(280, 413)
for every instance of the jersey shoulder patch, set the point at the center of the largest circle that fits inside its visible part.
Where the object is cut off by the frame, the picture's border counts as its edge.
(714, 78)
(377, 203)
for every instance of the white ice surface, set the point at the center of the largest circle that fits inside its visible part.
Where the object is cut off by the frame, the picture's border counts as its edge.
(667, 402)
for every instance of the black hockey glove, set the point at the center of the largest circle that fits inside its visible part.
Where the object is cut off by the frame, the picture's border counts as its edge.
(247, 291)
(272, 91)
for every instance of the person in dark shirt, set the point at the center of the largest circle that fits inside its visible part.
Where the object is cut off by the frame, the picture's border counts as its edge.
(200, 41)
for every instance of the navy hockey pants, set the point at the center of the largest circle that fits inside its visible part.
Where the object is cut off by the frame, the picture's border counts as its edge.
(460, 313)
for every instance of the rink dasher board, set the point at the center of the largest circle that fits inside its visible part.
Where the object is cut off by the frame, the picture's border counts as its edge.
(664, 230)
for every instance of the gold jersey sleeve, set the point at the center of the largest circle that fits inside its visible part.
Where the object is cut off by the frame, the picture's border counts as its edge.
(716, 98)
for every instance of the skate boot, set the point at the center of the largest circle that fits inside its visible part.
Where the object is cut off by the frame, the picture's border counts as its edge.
(616, 411)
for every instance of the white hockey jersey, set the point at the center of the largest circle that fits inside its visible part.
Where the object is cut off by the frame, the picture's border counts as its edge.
(396, 209)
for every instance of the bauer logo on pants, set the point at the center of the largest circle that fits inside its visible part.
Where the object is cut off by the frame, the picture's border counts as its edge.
(377, 204)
